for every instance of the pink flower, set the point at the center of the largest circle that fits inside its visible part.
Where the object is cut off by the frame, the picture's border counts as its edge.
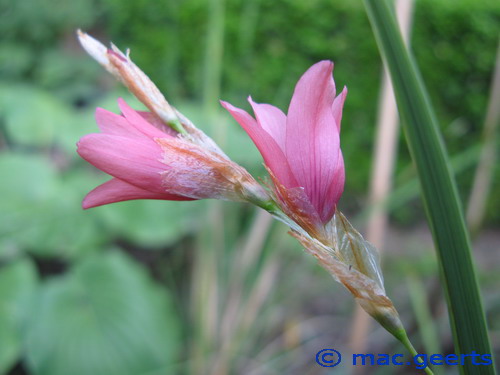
(302, 149)
(149, 160)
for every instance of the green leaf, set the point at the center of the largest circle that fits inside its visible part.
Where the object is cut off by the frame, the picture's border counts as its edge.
(31, 115)
(22, 201)
(20, 172)
(42, 213)
(444, 213)
(17, 284)
(106, 317)
(151, 222)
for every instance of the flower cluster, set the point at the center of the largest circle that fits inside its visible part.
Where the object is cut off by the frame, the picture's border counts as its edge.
(160, 154)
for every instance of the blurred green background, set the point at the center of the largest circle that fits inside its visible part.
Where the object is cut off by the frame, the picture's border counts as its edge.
(152, 287)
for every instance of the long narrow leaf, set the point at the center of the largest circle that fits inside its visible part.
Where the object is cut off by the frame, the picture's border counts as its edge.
(443, 208)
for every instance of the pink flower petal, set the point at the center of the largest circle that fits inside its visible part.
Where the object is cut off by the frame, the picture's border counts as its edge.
(111, 123)
(312, 138)
(268, 147)
(272, 120)
(334, 191)
(337, 106)
(134, 161)
(157, 122)
(139, 122)
(116, 190)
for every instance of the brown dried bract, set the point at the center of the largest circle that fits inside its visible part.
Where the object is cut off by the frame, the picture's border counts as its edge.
(296, 206)
(351, 261)
(199, 173)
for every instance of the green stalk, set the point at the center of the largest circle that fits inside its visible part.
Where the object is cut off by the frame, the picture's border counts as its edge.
(213, 57)
(443, 208)
(406, 342)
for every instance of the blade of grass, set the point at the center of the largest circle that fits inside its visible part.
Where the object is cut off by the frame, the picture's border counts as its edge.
(443, 208)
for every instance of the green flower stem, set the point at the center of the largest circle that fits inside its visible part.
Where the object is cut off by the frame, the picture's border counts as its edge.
(443, 208)
(392, 324)
(403, 338)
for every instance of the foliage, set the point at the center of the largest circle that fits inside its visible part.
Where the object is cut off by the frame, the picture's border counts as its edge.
(104, 317)
(17, 284)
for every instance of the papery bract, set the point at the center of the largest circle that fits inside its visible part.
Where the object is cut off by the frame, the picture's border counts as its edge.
(302, 149)
(354, 263)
